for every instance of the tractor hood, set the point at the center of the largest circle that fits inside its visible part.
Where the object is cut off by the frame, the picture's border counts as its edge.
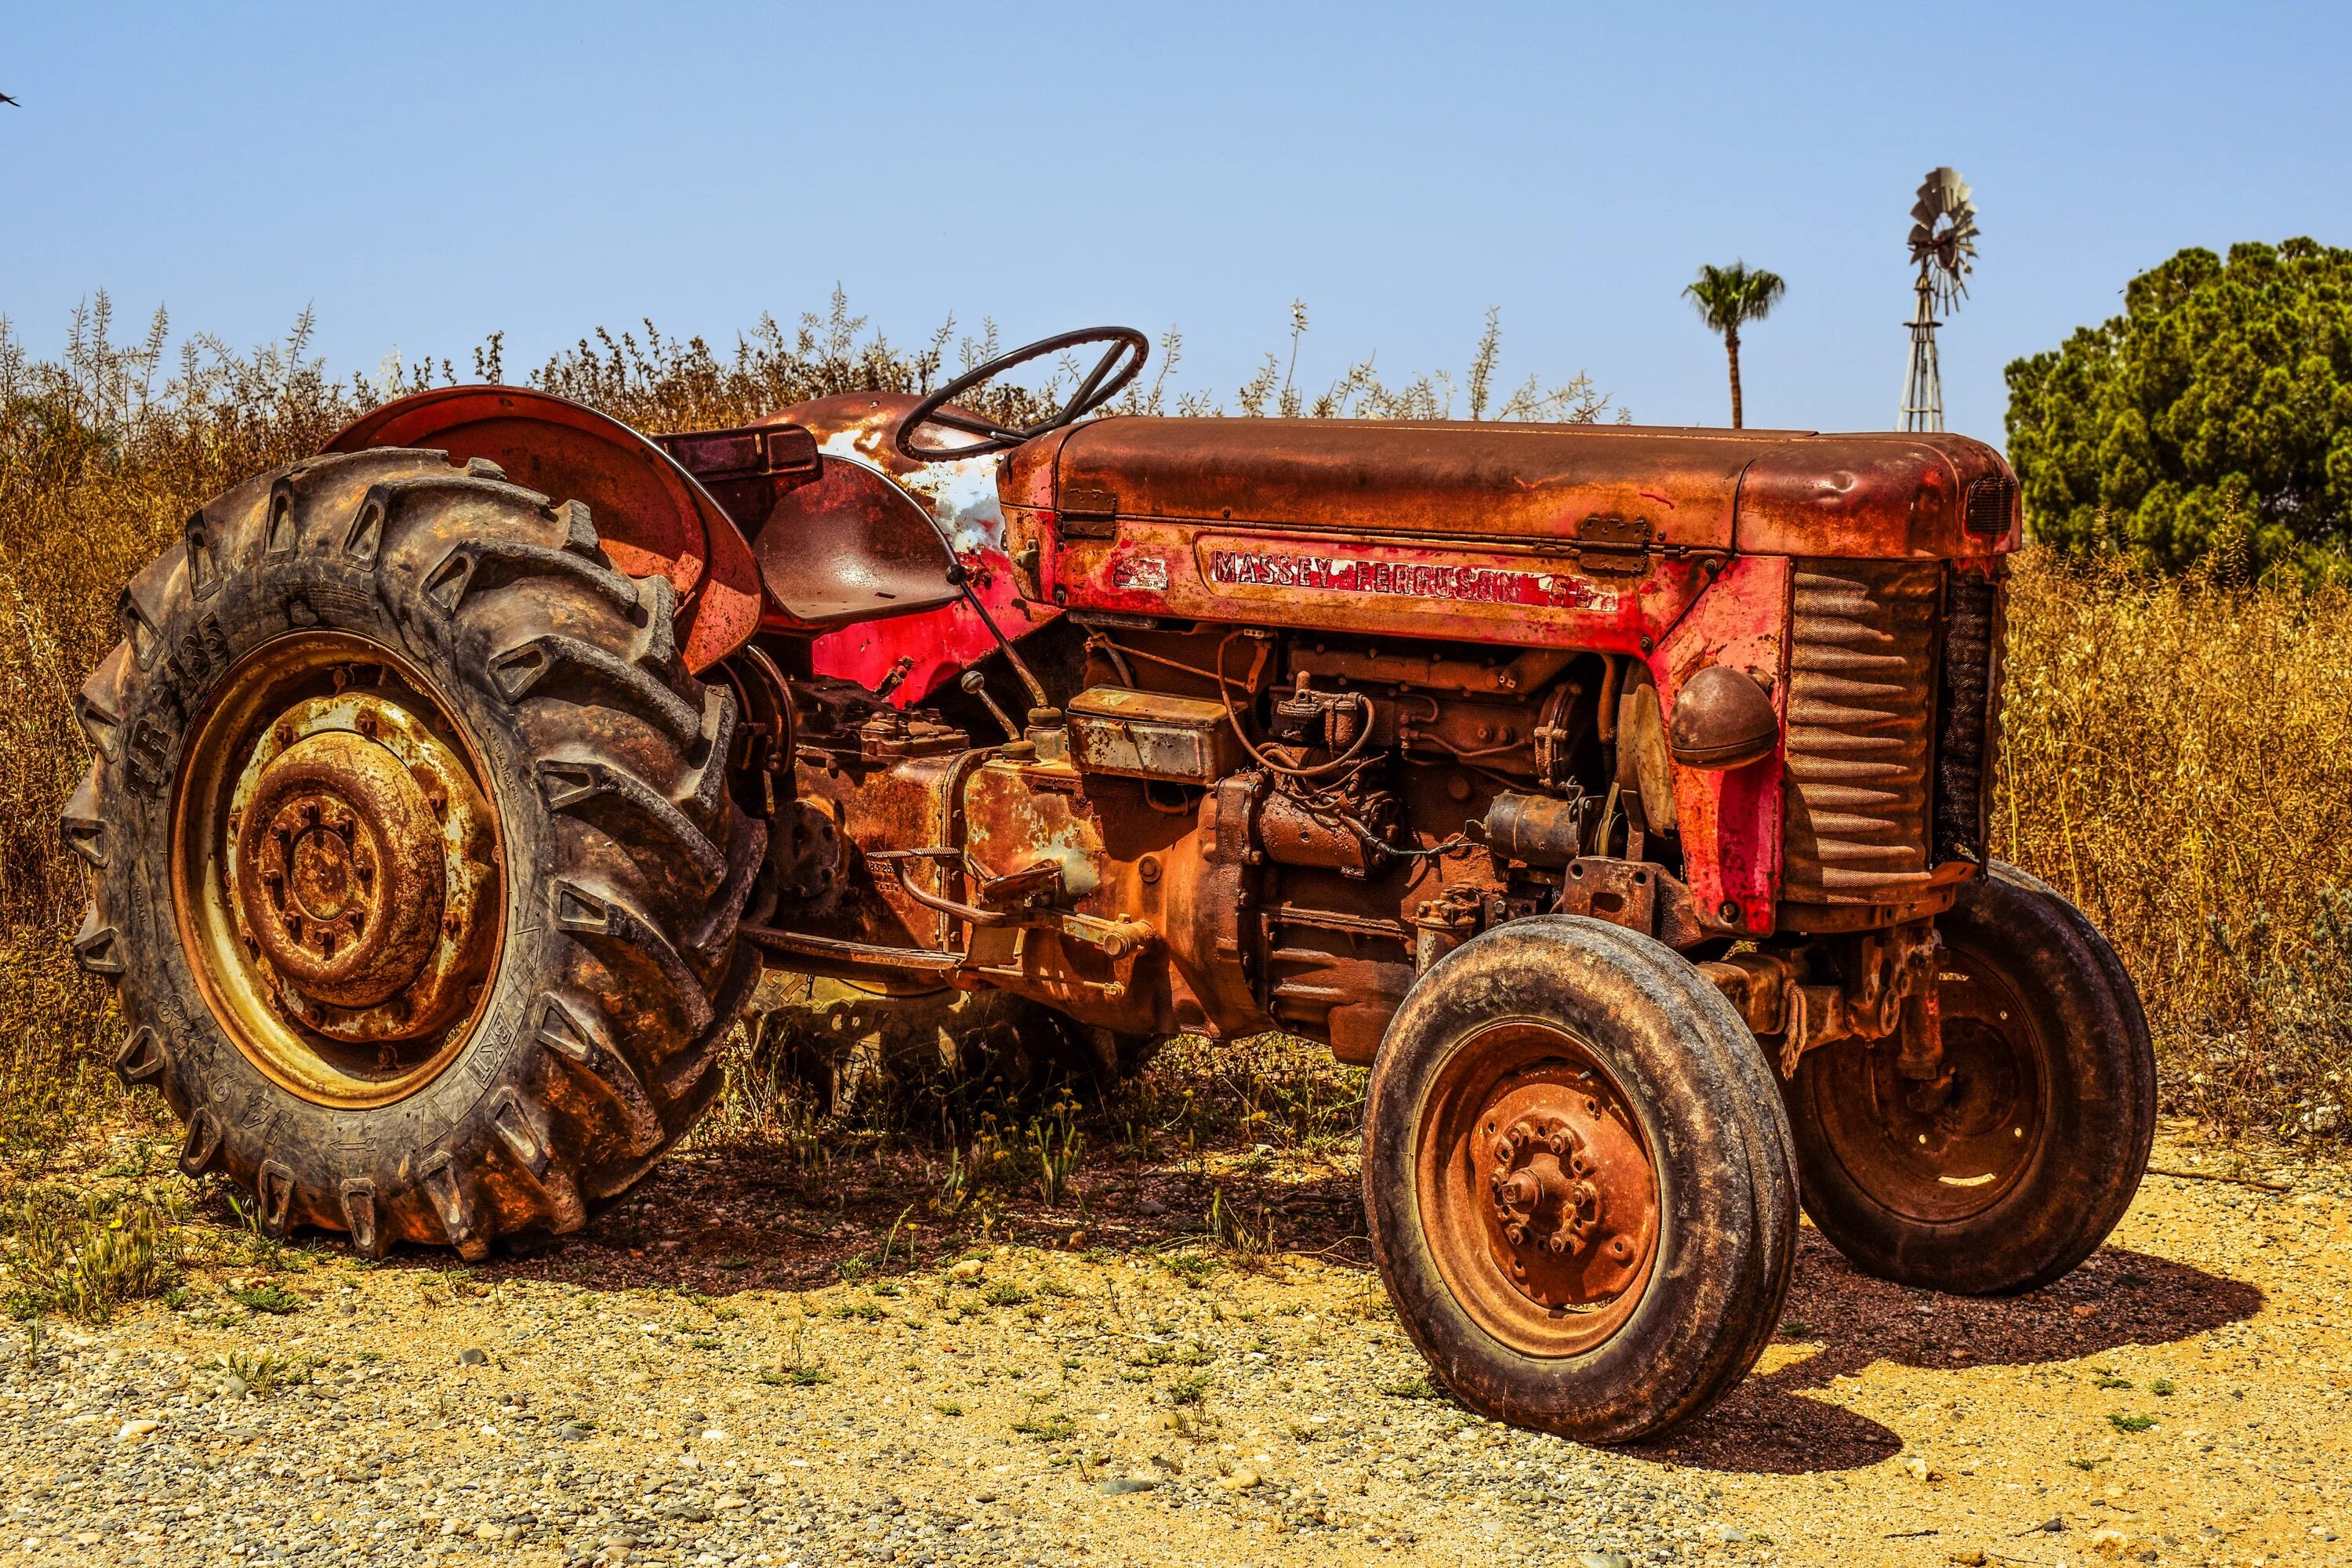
(1780, 491)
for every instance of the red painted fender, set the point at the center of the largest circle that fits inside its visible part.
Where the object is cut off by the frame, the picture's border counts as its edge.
(1730, 818)
(651, 515)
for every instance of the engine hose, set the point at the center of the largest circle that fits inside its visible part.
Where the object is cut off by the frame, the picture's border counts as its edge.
(1232, 717)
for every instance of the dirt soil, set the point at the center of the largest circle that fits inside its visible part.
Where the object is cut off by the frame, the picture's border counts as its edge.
(694, 1381)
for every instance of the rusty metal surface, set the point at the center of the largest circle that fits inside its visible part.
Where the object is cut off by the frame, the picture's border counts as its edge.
(1368, 477)
(362, 864)
(335, 868)
(652, 518)
(1368, 565)
(1539, 1194)
(850, 547)
(1968, 711)
(1541, 830)
(338, 870)
(1859, 713)
(1152, 734)
(961, 498)
(1723, 719)
(1891, 497)
(1729, 818)
(1940, 1151)
(1623, 892)
(1505, 593)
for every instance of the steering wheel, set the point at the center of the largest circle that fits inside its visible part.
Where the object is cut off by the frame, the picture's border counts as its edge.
(1116, 367)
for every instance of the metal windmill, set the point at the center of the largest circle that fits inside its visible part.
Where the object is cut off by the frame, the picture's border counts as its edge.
(1943, 247)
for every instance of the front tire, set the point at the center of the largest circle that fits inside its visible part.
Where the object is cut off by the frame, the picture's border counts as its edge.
(2016, 1170)
(412, 853)
(1578, 1182)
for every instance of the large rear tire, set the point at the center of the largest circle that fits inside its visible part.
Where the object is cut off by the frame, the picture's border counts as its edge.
(412, 856)
(1579, 1181)
(2015, 1169)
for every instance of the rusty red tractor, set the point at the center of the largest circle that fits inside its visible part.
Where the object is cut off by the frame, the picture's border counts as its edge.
(1618, 795)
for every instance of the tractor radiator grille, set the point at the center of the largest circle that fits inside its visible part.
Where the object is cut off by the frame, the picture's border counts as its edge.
(1967, 715)
(1862, 675)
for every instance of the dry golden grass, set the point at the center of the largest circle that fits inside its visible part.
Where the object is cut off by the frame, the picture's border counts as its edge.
(2177, 757)
(2176, 753)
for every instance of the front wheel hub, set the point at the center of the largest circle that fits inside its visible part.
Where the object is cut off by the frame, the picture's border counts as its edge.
(1544, 1196)
(1539, 1192)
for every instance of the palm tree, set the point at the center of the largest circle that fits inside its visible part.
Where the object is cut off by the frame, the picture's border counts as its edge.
(1728, 298)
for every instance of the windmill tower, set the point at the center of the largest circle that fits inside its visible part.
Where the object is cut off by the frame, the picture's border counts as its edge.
(1943, 247)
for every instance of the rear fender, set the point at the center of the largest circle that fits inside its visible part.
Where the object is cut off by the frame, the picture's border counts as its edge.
(653, 517)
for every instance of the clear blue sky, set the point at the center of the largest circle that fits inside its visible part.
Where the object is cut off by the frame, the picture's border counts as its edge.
(424, 174)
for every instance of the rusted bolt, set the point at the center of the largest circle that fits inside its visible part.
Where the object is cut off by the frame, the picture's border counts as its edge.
(1148, 867)
(283, 735)
(1729, 910)
(366, 724)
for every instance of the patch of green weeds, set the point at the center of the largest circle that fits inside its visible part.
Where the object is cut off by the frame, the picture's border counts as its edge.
(1193, 1268)
(262, 1372)
(1189, 1389)
(81, 1254)
(269, 1300)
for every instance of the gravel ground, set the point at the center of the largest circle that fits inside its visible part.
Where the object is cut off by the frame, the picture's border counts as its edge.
(1085, 1383)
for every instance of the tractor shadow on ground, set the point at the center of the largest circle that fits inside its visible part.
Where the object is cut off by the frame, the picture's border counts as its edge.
(1776, 1424)
(728, 1217)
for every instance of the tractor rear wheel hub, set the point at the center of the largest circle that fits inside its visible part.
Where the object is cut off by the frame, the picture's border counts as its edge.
(360, 863)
